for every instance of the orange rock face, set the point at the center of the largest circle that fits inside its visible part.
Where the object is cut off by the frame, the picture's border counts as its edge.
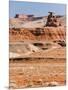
(49, 33)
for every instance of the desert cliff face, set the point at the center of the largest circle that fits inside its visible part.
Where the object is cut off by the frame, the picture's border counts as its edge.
(47, 33)
(35, 29)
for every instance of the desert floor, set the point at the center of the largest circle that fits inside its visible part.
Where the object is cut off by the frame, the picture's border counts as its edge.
(37, 72)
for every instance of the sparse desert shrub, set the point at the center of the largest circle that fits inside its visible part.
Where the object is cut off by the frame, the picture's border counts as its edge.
(62, 43)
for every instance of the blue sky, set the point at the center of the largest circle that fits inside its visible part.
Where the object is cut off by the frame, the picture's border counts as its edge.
(38, 9)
